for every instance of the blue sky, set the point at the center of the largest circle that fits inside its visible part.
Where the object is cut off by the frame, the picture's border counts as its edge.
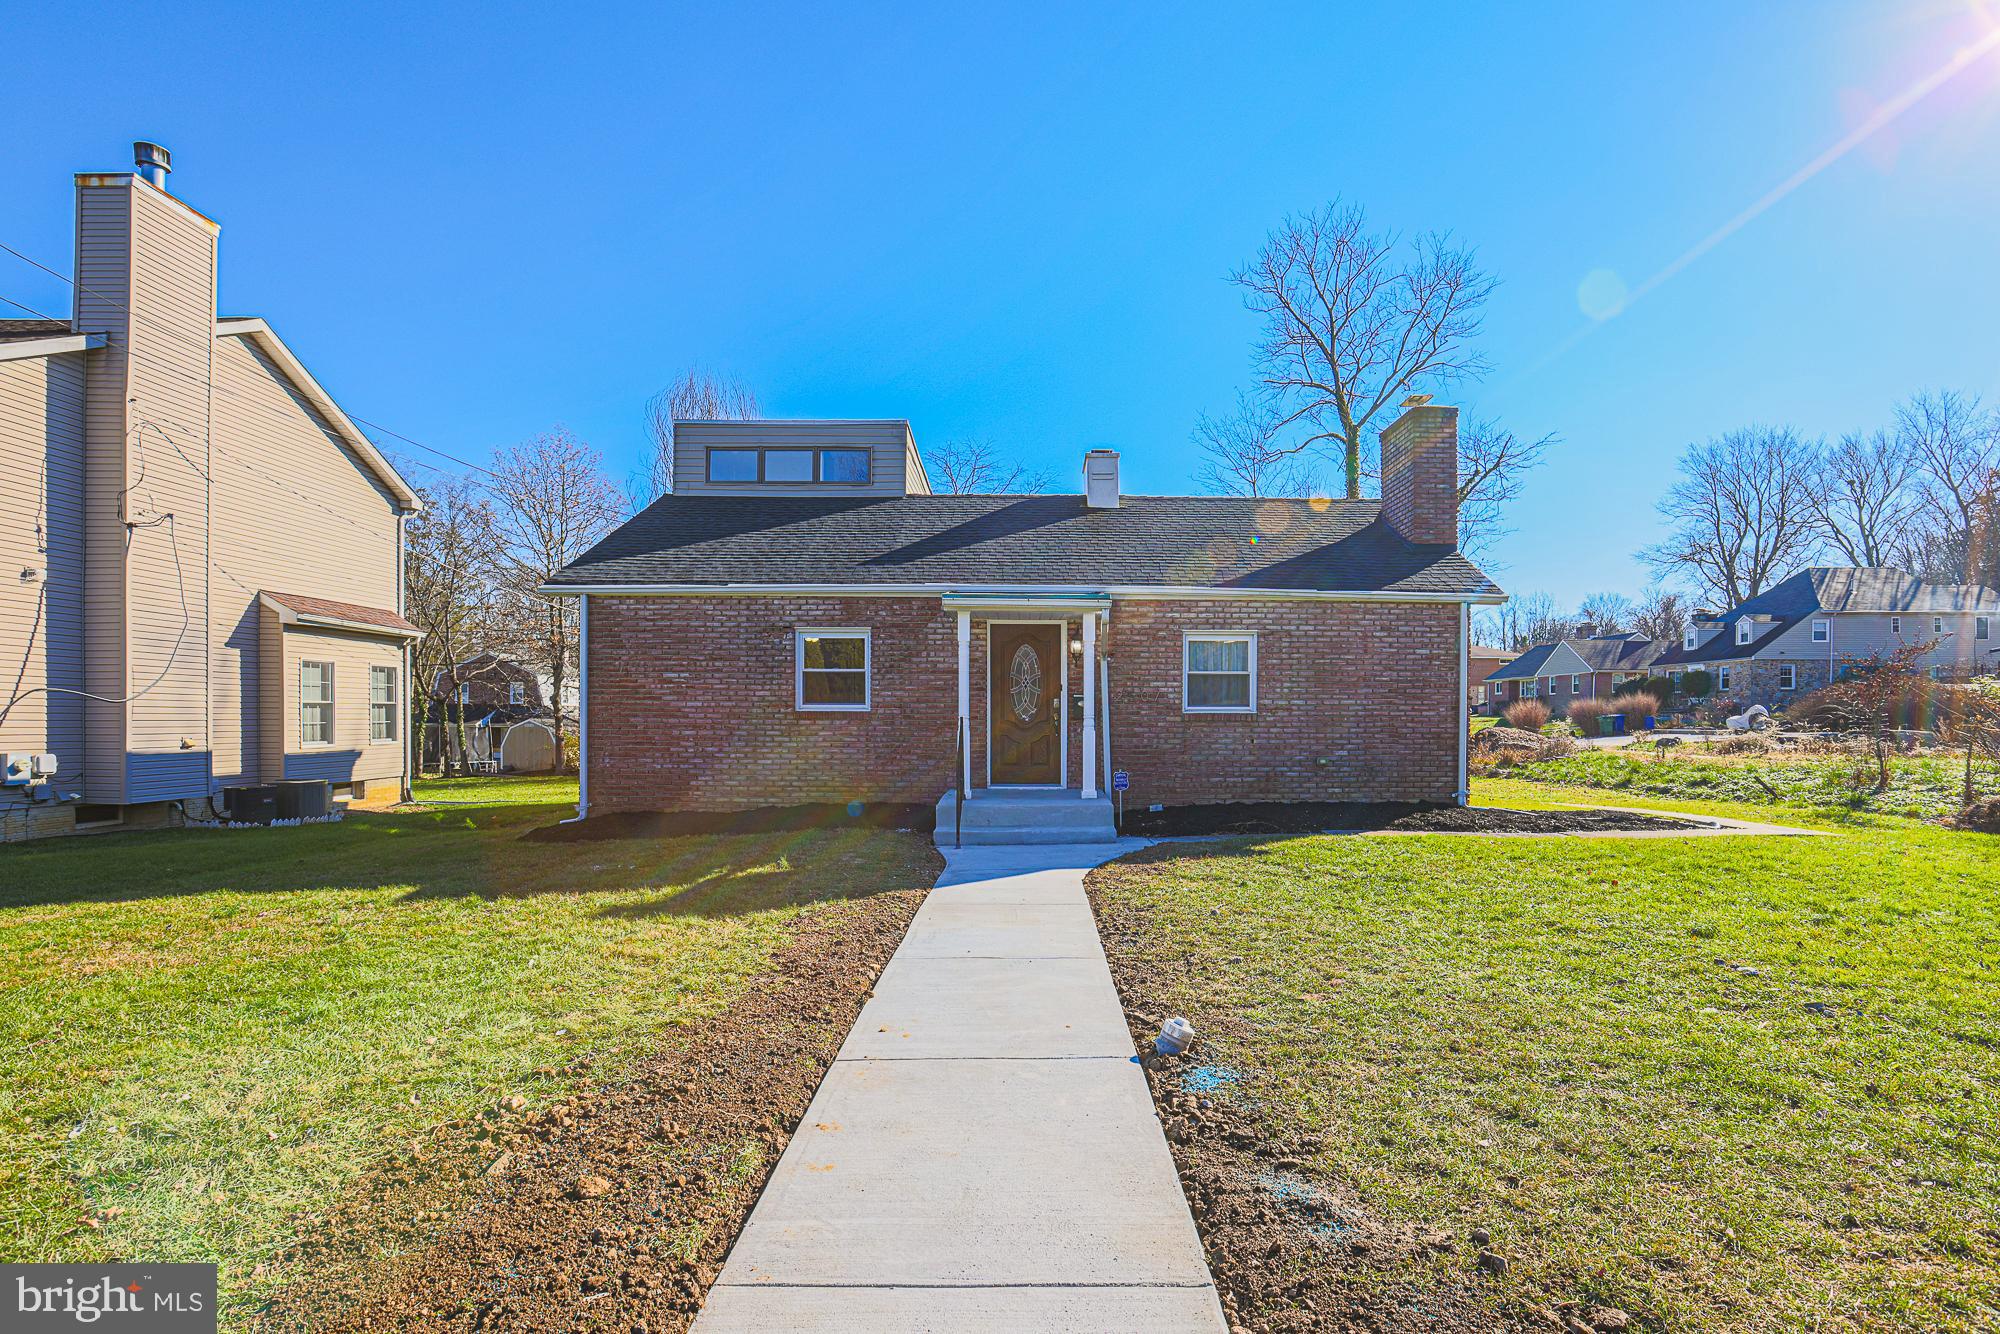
(1017, 224)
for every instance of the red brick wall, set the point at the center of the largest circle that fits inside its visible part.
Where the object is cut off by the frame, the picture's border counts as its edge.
(692, 704)
(1356, 701)
(1420, 474)
(692, 708)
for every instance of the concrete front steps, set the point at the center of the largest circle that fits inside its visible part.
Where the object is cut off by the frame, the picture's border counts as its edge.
(1002, 815)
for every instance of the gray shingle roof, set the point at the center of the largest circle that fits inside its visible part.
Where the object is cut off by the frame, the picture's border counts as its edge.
(15, 330)
(1028, 541)
(1832, 588)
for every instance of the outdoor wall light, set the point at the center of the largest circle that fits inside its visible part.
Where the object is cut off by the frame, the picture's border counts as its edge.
(1076, 646)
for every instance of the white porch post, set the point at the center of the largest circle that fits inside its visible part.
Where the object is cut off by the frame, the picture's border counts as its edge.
(1090, 706)
(965, 695)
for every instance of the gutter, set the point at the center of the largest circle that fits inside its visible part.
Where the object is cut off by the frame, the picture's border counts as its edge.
(1163, 592)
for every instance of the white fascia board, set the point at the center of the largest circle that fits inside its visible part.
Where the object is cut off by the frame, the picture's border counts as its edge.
(54, 345)
(274, 347)
(1138, 591)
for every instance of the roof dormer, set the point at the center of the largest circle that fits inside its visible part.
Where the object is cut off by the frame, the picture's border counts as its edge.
(797, 458)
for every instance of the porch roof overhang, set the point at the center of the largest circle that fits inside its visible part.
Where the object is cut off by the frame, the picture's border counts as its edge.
(1026, 602)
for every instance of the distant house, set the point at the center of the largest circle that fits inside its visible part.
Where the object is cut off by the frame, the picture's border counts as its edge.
(1482, 660)
(498, 706)
(1794, 636)
(1571, 668)
(203, 553)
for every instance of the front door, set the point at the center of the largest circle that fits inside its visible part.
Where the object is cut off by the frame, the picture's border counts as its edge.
(1026, 668)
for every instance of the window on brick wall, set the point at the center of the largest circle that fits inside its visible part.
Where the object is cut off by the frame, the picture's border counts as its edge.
(1219, 673)
(833, 668)
(1576, 685)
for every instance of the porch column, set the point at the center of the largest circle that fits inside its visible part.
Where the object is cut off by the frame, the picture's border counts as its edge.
(1089, 706)
(965, 696)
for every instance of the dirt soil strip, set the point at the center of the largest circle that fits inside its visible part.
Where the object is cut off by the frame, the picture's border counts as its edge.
(1290, 1248)
(615, 1208)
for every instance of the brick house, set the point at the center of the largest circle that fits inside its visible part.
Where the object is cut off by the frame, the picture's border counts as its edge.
(803, 621)
(1794, 636)
(1575, 667)
(1481, 661)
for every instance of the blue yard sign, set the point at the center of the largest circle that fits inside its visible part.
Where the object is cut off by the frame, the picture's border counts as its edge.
(1120, 780)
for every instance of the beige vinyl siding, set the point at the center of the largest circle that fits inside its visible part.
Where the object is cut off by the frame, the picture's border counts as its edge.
(41, 529)
(888, 443)
(295, 512)
(169, 346)
(351, 755)
(103, 272)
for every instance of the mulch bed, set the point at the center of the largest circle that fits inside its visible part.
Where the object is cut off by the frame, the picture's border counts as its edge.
(677, 824)
(1312, 817)
(1293, 1250)
(613, 1209)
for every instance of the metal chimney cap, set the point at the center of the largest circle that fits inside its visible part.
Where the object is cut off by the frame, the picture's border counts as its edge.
(153, 162)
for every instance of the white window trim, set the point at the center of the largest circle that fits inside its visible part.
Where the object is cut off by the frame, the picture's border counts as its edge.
(1215, 636)
(395, 704)
(1822, 631)
(516, 693)
(805, 632)
(1895, 625)
(1690, 640)
(1576, 685)
(1982, 628)
(1530, 689)
(1937, 625)
(1788, 676)
(1743, 631)
(1722, 677)
(331, 694)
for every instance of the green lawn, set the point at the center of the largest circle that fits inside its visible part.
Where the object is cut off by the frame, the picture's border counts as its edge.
(1921, 786)
(1729, 1084)
(208, 1031)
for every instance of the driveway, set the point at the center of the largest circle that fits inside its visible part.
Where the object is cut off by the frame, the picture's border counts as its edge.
(983, 1154)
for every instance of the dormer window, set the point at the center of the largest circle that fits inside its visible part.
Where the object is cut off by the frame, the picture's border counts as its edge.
(1690, 639)
(1743, 631)
(837, 467)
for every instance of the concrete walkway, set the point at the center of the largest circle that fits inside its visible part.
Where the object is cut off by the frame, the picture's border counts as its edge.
(983, 1154)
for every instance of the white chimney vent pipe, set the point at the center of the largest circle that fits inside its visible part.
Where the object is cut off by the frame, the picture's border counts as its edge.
(153, 162)
(1100, 479)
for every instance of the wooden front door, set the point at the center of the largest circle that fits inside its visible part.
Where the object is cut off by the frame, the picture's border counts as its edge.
(1026, 668)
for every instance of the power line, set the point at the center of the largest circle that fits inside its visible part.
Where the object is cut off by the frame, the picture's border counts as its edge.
(22, 305)
(169, 330)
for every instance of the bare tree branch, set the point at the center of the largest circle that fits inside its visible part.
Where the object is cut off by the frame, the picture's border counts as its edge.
(1865, 505)
(1353, 320)
(1660, 615)
(1492, 472)
(1243, 453)
(1954, 442)
(698, 395)
(1742, 513)
(975, 466)
(1606, 613)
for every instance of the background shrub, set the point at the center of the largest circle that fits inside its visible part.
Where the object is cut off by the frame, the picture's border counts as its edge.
(1697, 684)
(1530, 715)
(1585, 713)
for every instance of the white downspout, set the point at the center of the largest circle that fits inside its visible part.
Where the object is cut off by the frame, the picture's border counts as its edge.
(1464, 693)
(965, 696)
(582, 709)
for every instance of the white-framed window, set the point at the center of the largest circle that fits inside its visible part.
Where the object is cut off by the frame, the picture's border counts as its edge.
(1530, 689)
(1743, 631)
(1479, 694)
(1937, 625)
(381, 704)
(1690, 639)
(1722, 677)
(1576, 685)
(1788, 676)
(1219, 672)
(315, 704)
(517, 693)
(1982, 627)
(1895, 625)
(1822, 631)
(834, 669)
(465, 692)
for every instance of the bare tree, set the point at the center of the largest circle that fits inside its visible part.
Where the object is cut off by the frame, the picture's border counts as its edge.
(698, 395)
(1660, 614)
(1742, 513)
(449, 566)
(1242, 454)
(1492, 472)
(975, 466)
(551, 503)
(1525, 620)
(1864, 503)
(1954, 442)
(1353, 320)
(1606, 613)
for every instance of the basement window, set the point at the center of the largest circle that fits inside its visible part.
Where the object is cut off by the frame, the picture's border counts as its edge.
(833, 669)
(1219, 673)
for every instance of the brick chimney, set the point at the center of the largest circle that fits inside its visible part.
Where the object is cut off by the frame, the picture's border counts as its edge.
(1420, 472)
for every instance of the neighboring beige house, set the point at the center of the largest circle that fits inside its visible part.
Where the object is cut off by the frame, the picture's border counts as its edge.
(204, 554)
